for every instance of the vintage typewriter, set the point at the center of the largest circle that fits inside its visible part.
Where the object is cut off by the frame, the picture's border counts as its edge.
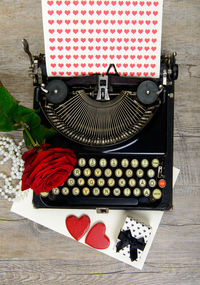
(121, 130)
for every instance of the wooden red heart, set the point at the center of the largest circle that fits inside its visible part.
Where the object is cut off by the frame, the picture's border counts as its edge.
(77, 227)
(96, 237)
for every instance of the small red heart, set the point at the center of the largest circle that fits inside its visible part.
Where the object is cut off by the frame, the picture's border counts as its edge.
(77, 227)
(96, 237)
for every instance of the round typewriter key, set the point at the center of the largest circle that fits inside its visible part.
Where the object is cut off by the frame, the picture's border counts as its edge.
(111, 182)
(137, 192)
(150, 173)
(57, 91)
(101, 182)
(134, 163)
(118, 172)
(162, 183)
(65, 191)
(92, 162)
(122, 182)
(106, 191)
(44, 194)
(96, 191)
(146, 192)
(139, 173)
(155, 162)
(129, 173)
(97, 172)
(127, 192)
(147, 92)
(152, 182)
(108, 172)
(86, 191)
(132, 182)
(116, 192)
(77, 172)
(124, 162)
(91, 182)
(82, 162)
(103, 162)
(75, 191)
(56, 191)
(144, 163)
(113, 162)
(81, 181)
(142, 182)
(157, 194)
(71, 181)
(87, 172)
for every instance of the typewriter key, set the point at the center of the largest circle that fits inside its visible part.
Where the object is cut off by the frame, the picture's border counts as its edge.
(82, 162)
(101, 182)
(142, 182)
(157, 194)
(103, 162)
(65, 191)
(152, 182)
(86, 191)
(55, 191)
(91, 182)
(113, 162)
(75, 191)
(116, 192)
(71, 181)
(122, 182)
(87, 172)
(155, 162)
(57, 91)
(144, 163)
(134, 163)
(77, 172)
(125, 162)
(96, 191)
(127, 192)
(129, 173)
(118, 172)
(97, 172)
(81, 181)
(150, 173)
(108, 172)
(106, 191)
(92, 162)
(139, 173)
(137, 192)
(132, 182)
(44, 194)
(147, 92)
(146, 192)
(111, 182)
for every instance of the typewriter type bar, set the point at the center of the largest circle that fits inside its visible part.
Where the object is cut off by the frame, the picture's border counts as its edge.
(121, 130)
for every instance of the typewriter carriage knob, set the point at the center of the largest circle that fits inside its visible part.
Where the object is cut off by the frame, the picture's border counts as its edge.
(147, 92)
(57, 91)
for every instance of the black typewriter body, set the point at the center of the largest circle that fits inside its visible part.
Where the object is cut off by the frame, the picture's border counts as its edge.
(127, 166)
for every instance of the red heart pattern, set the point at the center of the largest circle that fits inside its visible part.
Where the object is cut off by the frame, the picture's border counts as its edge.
(77, 227)
(96, 237)
(109, 31)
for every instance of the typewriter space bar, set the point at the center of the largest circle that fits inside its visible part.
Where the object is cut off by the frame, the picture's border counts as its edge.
(109, 202)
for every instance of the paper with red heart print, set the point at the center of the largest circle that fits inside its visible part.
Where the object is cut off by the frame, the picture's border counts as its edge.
(84, 36)
(96, 237)
(77, 227)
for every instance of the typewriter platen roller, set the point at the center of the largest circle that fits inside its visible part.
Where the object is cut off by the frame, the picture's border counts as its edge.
(121, 129)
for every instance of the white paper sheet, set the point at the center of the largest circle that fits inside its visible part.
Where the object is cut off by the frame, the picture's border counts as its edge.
(85, 37)
(55, 219)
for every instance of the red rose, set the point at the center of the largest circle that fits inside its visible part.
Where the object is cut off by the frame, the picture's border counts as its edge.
(47, 168)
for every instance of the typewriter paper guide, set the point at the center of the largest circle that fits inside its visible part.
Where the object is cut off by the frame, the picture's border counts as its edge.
(85, 37)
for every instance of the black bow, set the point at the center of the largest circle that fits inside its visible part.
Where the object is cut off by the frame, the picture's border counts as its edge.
(125, 239)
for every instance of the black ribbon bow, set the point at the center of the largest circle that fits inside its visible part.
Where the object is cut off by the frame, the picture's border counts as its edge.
(125, 239)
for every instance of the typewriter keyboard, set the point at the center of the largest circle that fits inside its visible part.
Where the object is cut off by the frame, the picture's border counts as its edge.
(111, 181)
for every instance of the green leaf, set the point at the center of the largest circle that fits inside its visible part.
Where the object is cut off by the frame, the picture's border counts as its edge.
(39, 134)
(8, 107)
(28, 116)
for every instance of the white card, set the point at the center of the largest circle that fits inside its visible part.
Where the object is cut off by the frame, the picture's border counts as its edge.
(85, 37)
(55, 219)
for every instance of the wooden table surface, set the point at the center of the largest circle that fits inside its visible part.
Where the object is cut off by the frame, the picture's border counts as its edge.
(31, 254)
